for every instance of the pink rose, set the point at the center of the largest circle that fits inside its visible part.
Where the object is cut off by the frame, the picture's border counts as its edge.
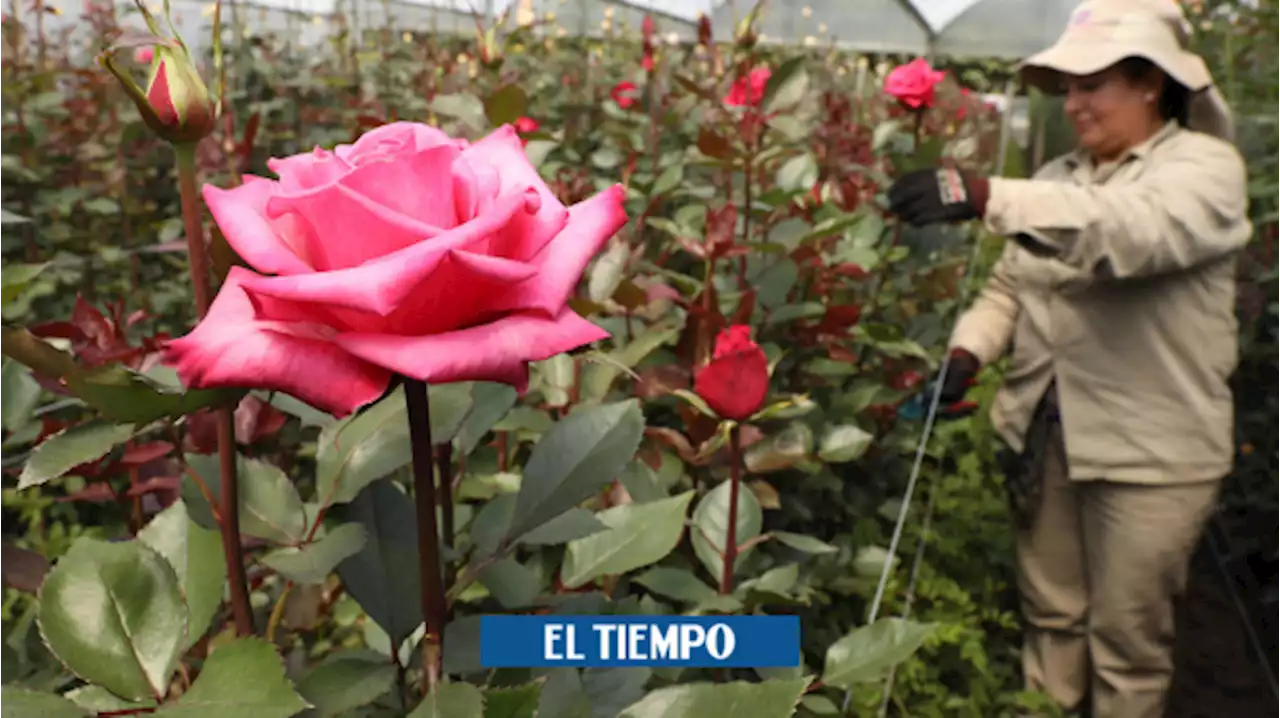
(143, 55)
(913, 83)
(409, 253)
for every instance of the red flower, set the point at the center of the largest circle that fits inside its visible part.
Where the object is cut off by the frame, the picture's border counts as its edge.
(735, 382)
(621, 94)
(749, 90)
(647, 62)
(913, 83)
(906, 380)
(524, 126)
(648, 27)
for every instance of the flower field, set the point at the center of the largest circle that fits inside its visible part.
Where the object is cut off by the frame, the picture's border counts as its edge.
(313, 356)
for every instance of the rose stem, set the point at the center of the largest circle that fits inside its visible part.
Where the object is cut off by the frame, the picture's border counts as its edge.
(424, 497)
(444, 464)
(731, 532)
(230, 498)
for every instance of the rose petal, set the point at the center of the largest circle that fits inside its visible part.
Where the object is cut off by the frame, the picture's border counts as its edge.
(562, 261)
(498, 351)
(392, 137)
(380, 286)
(229, 348)
(457, 292)
(308, 170)
(241, 215)
(376, 209)
(501, 150)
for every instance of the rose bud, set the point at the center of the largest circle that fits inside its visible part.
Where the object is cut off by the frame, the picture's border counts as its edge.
(735, 382)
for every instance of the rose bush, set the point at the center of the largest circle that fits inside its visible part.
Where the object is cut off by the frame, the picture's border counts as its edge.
(408, 252)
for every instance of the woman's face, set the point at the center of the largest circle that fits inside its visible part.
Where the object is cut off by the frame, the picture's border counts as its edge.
(1112, 112)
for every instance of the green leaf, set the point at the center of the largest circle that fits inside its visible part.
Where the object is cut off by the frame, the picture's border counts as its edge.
(679, 584)
(312, 563)
(69, 448)
(346, 681)
(375, 442)
(799, 173)
(638, 535)
(786, 86)
(307, 414)
(792, 312)
(511, 584)
(461, 106)
(867, 653)
(505, 105)
(696, 402)
(801, 542)
(669, 180)
(598, 378)
(270, 507)
(113, 613)
(7, 217)
(607, 272)
(572, 524)
(610, 690)
(562, 695)
(196, 556)
(97, 699)
(782, 450)
(122, 394)
(19, 395)
(512, 701)
(771, 699)
(490, 402)
(843, 443)
(243, 679)
(450, 405)
(361, 449)
(451, 700)
(383, 577)
(15, 279)
(18, 702)
(711, 525)
(579, 456)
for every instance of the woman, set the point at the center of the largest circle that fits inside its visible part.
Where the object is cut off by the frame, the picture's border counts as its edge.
(1115, 302)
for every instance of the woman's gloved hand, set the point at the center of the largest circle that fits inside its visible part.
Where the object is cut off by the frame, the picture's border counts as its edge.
(962, 373)
(939, 195)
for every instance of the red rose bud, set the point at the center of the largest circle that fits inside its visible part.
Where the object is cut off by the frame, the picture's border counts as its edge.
(176, 105)
(735, 382)
(648, 27)
(704, 30)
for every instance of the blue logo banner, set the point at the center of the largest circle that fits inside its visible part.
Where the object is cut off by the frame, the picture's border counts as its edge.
(691, 641)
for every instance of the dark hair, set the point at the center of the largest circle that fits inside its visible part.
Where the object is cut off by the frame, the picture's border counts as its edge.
(1175, 98)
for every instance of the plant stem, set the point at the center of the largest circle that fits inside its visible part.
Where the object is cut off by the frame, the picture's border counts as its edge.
(434, 607)
(191, 219)
(731, 532)
(746, 218)
(233, 553)
(444, 464)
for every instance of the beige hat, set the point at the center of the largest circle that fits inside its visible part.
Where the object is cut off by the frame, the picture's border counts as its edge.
(1101, 33)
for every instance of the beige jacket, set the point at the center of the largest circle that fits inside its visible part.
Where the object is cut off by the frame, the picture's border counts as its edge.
(1120, 285)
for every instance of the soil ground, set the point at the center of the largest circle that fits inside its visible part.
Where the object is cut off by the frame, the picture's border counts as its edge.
(1219, 673)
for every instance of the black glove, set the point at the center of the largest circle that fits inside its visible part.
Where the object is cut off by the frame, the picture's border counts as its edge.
(961, 374)
(938, 195)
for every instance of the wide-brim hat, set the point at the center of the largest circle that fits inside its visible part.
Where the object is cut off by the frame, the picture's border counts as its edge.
(1101, 33)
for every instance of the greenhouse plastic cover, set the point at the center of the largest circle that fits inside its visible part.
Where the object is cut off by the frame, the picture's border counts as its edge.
(1004, 29)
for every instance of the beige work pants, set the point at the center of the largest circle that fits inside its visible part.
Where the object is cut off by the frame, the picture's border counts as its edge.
(1098, 573)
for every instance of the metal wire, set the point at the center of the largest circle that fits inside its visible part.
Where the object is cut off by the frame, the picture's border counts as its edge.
(925, 528)
(907, 496)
